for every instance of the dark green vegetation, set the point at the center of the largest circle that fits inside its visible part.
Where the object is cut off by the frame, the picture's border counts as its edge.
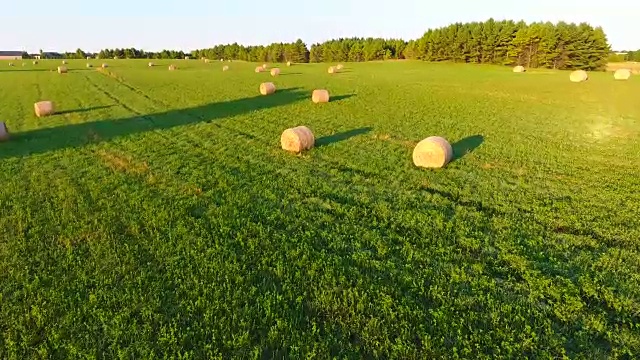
(156, 215)
(537, 45)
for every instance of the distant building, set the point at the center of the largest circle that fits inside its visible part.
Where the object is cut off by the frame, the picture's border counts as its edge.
(11, 55)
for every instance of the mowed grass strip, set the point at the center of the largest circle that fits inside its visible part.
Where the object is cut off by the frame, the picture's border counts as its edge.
(157, 215)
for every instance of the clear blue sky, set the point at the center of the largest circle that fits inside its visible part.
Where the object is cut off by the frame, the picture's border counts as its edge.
(191, 24)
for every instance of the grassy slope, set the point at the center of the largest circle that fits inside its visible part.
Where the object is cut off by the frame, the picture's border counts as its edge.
(157, 215)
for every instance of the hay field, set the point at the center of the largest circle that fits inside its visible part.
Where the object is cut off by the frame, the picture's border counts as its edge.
(157, 216)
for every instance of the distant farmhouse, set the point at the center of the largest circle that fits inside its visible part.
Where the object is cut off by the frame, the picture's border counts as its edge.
(11, 55)
(48, 55)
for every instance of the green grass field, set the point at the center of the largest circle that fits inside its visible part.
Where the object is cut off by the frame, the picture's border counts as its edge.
(155, 216)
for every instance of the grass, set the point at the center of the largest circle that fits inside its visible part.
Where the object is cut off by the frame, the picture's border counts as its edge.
(156, 216)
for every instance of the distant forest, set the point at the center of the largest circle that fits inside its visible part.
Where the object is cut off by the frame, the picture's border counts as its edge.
(546, 45)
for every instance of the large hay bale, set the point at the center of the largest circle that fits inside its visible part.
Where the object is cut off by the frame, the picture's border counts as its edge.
(267, 88)
(172, 67)
(10, 64)
(622, 74)
(275, 72)
(151, 64)
(332, 70)
(64, 62)
(104, 66)
(187, 57)
(288, 63)
(35, 62)
(4, 132)
(259, 69)
(225, 68)
(579, 76)
(206, 61)
(432, 152)
(297, 139)
(339, 67)
(519, 69)
(320, 96)
(265, 66)
(62, 70)
(89, 65)
(44, 108)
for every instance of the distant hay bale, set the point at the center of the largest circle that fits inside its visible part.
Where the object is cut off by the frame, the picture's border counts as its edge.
(339, 67)
(267, 88)
(44, 108)
(115, 58)
(519, 69)
(225, 68)
(104, 66)
(35, 62)
(62, 69)
(4, 132)
(10, 64)
(579, 76)
(229, 60)
(297, 139)
(622, 74)
(265, 66)
(288, 63)
(187, 57)
(172, 67)
(275, 72)
(206, 61)
(432, 152)
(88, 57)
(64, 62)
(259, 69)
(320, 96)
(151, 64)
(89, 65)
(332, 70)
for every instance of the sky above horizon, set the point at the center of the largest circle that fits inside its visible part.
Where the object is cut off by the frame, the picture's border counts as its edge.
(196, 24)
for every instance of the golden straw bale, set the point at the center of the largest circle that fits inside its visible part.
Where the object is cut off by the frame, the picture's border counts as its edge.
(275, 72)
(104, 66)
(151, 64)
(267, 88)
(579, 76)
(622, 74)
(320, 96)
(62, 69)
(339, 67)
(225, 68)
(432, 152)
(332, 70)
(519, 69)
(297, 139)
(44, 108)
(4, 132)
(259, 69)
(172, 67)
(89, 65)
(265, 66)
(288, 63)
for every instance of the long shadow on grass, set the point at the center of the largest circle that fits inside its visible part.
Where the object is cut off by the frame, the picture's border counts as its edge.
(342, 136)
(466, 145)
(74, 135)
(75, 111)
(341, 97)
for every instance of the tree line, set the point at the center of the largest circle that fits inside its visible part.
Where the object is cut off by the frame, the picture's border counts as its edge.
(541, 44)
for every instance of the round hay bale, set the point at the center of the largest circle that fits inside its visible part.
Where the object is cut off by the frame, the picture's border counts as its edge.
(579, 76)
(10, 64)
(64, 62)
(259, 69)
(172, 67)
(104, 66)
(275, 72)
(320, 96)
(288, 63)
(267, 88)
(88, 57)
(432, 152)
(35, 62)
(89, 65)
(622, 74)
(62, 69)
(265, 66)
(519, 69)
(44, 108)
(340, 67)
(297, 139)
(225, 68)
(115, 58)
(332, 70)
(151, 64)
(4, 132)
(206, 61)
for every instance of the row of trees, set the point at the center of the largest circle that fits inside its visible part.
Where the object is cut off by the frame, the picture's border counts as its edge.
(557, 46)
